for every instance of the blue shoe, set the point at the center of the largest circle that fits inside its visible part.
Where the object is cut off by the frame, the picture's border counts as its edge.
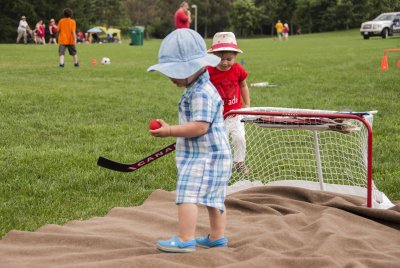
(205, 242)
(175, 245)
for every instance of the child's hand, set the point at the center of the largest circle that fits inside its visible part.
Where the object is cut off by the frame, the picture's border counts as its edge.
(163, 131)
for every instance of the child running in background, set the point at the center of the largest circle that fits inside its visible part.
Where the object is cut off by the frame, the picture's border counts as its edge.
(67, 37)
(203, 155)
(229, 78)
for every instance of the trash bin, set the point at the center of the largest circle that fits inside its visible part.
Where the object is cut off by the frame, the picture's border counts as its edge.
(136, 34)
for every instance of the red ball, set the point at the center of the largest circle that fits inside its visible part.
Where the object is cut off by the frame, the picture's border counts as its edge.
(154, 124)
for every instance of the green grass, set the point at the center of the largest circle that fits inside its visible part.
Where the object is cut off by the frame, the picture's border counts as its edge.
(54, 122)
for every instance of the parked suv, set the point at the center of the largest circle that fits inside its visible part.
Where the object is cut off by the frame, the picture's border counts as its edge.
(386, 24)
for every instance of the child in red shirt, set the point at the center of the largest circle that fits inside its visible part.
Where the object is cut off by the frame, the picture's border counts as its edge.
(229, 78)
(40, 32)
(53, 32)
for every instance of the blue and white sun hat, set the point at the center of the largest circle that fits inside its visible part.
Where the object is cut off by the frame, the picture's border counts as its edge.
(182, 53)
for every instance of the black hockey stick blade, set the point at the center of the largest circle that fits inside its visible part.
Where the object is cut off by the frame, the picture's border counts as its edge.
(107, 163)
(116, 166)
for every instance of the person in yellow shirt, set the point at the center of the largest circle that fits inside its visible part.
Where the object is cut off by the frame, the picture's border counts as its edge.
(67, 37)
(279, 29)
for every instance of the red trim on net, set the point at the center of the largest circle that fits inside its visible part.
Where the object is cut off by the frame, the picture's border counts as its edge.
(224, 45)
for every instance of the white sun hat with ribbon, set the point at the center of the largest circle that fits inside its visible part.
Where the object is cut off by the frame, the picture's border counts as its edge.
(224, 41)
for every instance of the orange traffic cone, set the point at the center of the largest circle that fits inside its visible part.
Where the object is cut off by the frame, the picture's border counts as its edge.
(384, 64)
(398, 64)
(94, 62)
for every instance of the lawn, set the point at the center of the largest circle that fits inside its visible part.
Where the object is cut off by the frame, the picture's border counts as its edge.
(54, 123)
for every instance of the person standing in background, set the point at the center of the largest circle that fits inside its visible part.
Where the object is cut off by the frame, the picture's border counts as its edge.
(285, 31)
(279, 29)
(53, 32)
(22, 28)
(40, 32)
(182, 16)
(67, 37)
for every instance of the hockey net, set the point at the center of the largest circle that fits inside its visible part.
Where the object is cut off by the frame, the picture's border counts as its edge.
(318, 149)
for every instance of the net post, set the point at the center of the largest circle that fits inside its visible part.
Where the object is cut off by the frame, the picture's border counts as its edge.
(369, 169)
(318, 159)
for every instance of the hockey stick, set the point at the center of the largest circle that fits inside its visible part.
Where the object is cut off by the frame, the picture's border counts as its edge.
(107, 163)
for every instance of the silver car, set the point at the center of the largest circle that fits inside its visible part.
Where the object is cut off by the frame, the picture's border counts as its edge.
(385, 25)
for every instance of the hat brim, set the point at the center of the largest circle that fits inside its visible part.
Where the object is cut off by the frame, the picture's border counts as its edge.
(182, 70)
(211, 50)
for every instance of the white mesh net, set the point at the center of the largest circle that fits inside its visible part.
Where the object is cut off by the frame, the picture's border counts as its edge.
(312, 148)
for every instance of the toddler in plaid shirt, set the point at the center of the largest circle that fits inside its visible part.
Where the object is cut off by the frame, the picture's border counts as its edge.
(203, 154)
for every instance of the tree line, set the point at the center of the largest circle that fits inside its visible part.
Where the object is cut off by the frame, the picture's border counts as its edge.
(244, 17)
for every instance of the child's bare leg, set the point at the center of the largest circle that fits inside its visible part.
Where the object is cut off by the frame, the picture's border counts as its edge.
(217, 223)
(62, 59)
(187, 215)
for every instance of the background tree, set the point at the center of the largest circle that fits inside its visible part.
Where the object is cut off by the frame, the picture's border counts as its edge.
(213, 16)
(109, 12)
(245, 16)
(163, 22)
(10, 15)
(343, 15)
(268, 10)
(303, 17)
(361, 12)
(142, 13)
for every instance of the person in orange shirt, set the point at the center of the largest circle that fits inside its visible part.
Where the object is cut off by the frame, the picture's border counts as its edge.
(67, 37)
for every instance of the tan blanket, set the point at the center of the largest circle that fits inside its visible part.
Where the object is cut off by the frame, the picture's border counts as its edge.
(267, 227)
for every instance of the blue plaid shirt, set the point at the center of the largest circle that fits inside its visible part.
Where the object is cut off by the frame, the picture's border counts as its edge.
(204, 163)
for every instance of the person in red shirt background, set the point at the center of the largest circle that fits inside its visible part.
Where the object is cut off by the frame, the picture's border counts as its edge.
(80, 37)
(229, 78)
(53, 31)
(182, 16)
(40, 32)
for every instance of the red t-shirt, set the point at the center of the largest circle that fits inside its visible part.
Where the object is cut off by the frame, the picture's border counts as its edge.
(181, 19)
(228, 85)
(41, 32)
(53, 29)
